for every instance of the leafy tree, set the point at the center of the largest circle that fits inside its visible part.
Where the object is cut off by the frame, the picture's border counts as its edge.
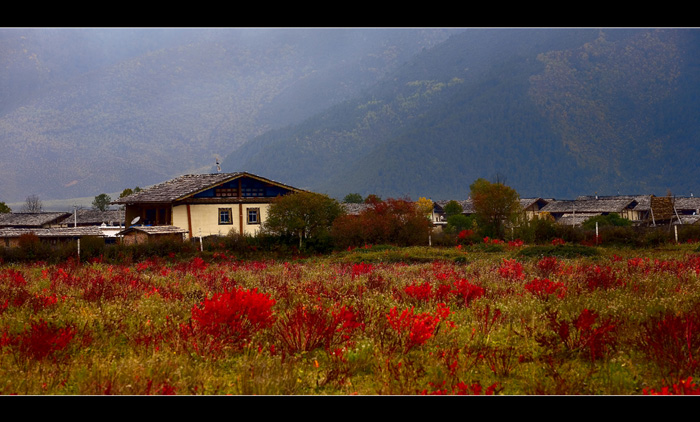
(32, 204)
(495, 206)
(4, 208)
(453, 208)
(101, 202)
(128, 191)
(458, 222)
(304, 215)
(612, 219)
(425, 205)
(353, 198)
(394, 221)
(372, 199)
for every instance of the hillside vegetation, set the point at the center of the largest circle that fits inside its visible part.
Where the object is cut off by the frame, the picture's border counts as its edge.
(87, 111)
(555, 112)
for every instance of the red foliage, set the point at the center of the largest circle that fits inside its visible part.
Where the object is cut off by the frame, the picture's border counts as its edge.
(416, 329)
(585, 334)
(394, 221)
(41, 341)
(683, 388)
(511, 269)
(672, 341)
(543, 288)
(467, 291)
(306, 329)
(229, 318)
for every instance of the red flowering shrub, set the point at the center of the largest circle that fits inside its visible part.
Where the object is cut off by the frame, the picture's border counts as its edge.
(672, 341)
(547, 266)
(601, 277)
(683, 388)
(511, 269)
(416, 329)
(229, 319)
(306, 329)
(467, 291)
(583, 334)
(543, 288)
(41, 341)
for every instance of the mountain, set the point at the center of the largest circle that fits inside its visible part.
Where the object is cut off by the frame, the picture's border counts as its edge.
(553, 112)
(92, 110)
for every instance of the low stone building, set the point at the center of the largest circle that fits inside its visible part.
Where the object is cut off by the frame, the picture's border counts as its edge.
(144, 234)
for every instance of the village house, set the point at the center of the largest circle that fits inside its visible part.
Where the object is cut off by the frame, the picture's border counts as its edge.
(110, 222)
(530, 206)
(575, 212)
(143, 234)
(34, 220)
(45, 225)
(10, 237)
(205, 204)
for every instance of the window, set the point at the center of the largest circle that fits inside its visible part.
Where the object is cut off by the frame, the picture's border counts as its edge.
(225, 216)
(253, 215)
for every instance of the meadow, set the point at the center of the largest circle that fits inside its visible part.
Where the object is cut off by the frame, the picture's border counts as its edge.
(378, 320)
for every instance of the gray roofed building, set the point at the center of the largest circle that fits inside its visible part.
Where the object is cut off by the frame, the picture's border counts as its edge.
(206, 204)
(9, 237)
(183, 187)
(95, 218)
(32, 219)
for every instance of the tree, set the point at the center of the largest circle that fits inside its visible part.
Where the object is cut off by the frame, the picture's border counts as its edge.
(101, 202)
(609, 220)
(303, 215)
(394, 221)
(425, 206)
(32, 204)
(495, 206)
(353, 198)
(128, 191)
(453, 208)
(4, 208)
(372, 199)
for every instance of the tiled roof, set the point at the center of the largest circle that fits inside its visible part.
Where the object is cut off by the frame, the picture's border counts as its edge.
(183, 186)
(687, 203)
(153, 230)
(589, 205)
(53, 232)
(176, 188)
(467, 205)
(34, 219)
(95, 217)
(355, 209)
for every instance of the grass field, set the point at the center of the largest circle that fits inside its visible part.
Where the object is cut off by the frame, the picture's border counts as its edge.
(513, 320)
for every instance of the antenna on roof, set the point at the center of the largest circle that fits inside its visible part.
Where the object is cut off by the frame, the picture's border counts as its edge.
(218, 167)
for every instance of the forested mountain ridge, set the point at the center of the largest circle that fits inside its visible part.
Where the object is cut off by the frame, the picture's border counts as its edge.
(556, 112)
(86, 111)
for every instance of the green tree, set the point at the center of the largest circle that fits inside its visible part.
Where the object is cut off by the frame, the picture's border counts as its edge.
(101, 202)
(353, 198)
(612, 219)
(302, 215)
(452, 208)
(458, 222)
(128, 191)
(496, 205)
(4, 208)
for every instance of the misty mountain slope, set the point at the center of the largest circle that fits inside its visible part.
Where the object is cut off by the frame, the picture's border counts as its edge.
(555, 112)
(90, 114)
